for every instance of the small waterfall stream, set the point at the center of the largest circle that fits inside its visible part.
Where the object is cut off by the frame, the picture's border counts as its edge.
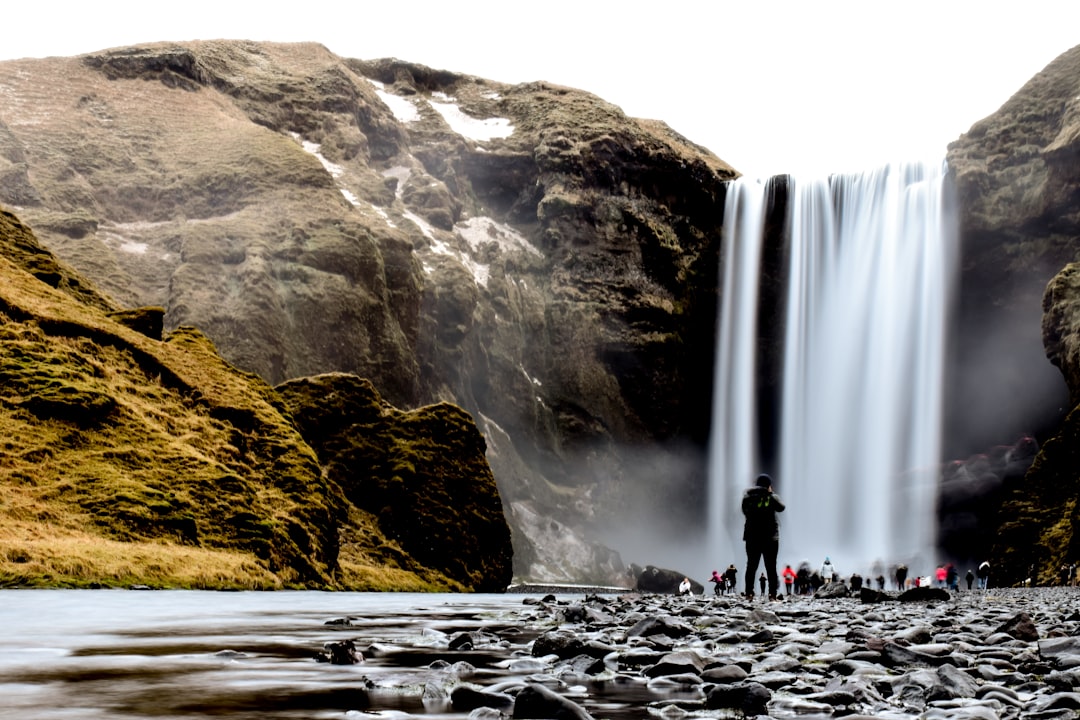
(869, 263)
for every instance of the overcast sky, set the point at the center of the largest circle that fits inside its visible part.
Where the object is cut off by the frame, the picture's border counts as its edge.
(769, 86)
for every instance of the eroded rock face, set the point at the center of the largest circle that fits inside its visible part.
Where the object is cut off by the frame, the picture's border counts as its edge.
(1018, 182)
(421, 473)
(526, 252)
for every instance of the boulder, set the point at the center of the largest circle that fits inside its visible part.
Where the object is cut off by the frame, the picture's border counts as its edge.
(659, 580)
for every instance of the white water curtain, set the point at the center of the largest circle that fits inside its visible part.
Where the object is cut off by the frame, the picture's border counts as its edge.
(871, 262)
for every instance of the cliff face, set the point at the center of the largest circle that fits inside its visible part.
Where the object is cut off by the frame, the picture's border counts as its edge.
(133, 457)
(1018, 181)
(527, 252)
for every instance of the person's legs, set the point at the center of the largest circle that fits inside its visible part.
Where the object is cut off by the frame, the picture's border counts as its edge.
(771, 550)
(753, 556)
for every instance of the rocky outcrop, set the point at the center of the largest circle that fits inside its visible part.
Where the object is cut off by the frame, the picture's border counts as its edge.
(137, 459)
(526, 252)
(421, 473)
(1018, 183)
(1040, 518)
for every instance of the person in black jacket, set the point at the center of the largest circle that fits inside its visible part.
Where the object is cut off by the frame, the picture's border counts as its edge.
(761, 533)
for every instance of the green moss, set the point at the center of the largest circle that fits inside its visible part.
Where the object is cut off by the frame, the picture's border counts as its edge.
(422, 472)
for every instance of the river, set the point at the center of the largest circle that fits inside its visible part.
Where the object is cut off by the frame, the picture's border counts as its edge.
(183, 654)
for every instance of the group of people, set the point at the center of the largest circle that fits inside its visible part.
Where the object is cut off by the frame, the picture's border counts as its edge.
(761, 535)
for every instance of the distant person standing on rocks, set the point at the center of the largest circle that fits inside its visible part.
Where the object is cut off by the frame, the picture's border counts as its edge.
(901, 577)
(983, 573)
(828, 573)
(789, 579)
(761, 533)
(970, 577)
(732, 577)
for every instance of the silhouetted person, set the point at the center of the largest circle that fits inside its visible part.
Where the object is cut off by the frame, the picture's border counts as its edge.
(761, 582)
(732, 577)
(761, 532)
(901, 577)
(970, 577)
(802, 579)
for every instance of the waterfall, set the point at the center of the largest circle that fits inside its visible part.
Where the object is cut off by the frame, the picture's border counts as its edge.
(869, 262)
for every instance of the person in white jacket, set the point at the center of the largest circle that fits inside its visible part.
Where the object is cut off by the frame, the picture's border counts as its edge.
(828, 573)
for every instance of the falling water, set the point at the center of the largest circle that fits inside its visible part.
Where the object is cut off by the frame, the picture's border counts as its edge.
(870, 258)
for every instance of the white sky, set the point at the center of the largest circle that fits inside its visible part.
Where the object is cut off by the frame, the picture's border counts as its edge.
(768, 85)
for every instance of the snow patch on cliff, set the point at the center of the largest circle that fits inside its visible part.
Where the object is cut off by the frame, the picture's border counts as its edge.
(477, 129)
(402, 108)
(479, 231)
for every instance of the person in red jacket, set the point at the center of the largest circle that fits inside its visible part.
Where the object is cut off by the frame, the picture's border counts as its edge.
(789, 579)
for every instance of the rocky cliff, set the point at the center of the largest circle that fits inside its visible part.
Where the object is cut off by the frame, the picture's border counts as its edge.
(130, 457)
(1018, 182)
(527, 252)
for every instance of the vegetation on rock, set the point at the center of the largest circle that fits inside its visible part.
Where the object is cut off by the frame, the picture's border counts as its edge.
(127, 459)
(316, 214)
(422, 473)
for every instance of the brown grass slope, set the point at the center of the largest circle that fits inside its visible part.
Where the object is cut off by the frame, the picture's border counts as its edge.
(127, 459)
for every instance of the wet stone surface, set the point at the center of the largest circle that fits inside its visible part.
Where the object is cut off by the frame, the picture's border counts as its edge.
(979, 655)
(994, 654)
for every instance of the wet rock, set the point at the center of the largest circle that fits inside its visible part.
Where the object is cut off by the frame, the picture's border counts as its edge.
(724, 674)
(537, 701)
(677, 663)
(924, 594)
(832, 590)
(1021, 627)
(1062, 652)
(749, 698)
(659, 626)
(562, 643)
(869, 596)
(464, 698)
(342, 652)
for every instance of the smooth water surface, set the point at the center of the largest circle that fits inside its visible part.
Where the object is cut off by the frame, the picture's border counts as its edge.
(184, 654)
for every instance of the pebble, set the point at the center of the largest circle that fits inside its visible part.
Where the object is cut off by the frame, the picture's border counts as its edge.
(1010, 654)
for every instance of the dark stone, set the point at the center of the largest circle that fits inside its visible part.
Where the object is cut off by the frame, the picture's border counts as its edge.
(558, 642)
(870, 596)
(1062, 651)
(464, 698)
(924, 594)
(1021, 627)
(539, 702)
(662, 625)
(677, 663)
(832, 590)
(340, 652)
(749, 698)
(724, 674)
(658, 580)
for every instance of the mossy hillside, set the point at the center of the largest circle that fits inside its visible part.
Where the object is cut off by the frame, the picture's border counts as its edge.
(129, 460)
(422, 473)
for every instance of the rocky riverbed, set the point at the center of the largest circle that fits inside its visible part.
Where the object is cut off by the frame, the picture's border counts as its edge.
(1011, 653)
(177, 655)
